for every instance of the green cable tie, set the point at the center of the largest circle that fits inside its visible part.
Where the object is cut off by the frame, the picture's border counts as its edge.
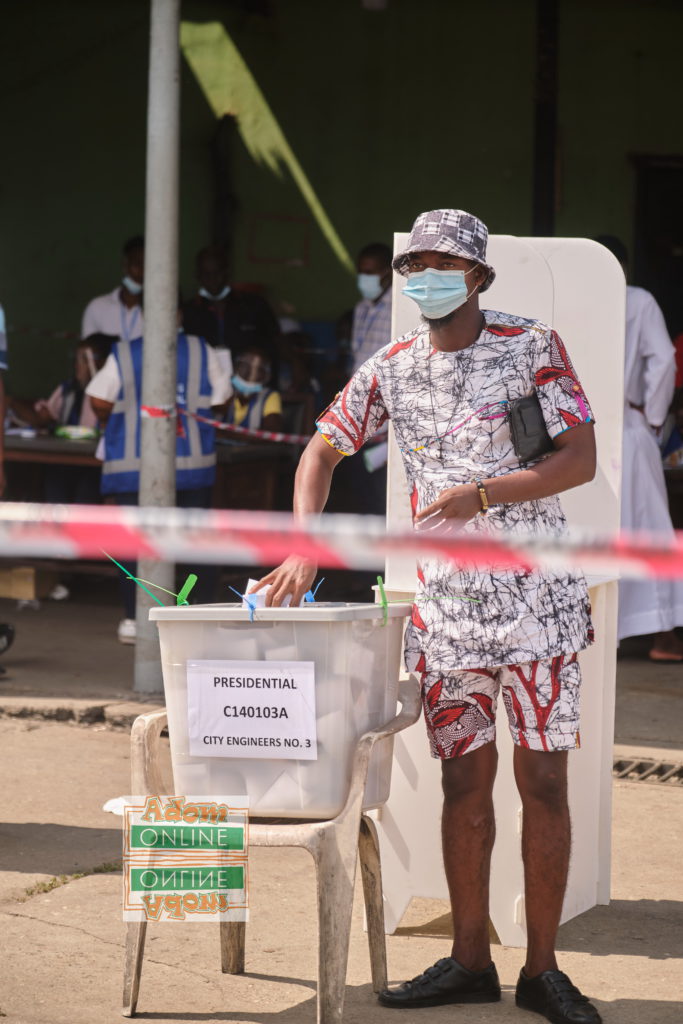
(385, 603)
(133, 578)
(186, 588)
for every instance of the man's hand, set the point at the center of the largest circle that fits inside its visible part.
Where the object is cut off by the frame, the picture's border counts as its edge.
(295, 576)
(455, 503)
(311, 488)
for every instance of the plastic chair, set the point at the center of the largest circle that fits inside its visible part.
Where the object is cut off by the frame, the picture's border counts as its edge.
(332, 844)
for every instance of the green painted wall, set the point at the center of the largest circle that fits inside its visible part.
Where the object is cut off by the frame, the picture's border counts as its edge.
(622, 94)
(426, 104)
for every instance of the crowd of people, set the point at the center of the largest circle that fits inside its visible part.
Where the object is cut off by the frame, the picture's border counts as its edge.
(237, 364)
(238, 361)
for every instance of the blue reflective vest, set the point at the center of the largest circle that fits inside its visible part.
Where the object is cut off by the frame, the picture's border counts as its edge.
(195, 443)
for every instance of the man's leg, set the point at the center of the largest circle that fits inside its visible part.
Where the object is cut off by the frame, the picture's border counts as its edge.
(541, 778)
(460, 717)
(542, 700)
(468, 830)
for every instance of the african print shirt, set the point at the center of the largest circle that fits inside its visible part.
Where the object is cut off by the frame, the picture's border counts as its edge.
(451, 424)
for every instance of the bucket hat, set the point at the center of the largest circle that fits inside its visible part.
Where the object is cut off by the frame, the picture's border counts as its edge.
(449, 231)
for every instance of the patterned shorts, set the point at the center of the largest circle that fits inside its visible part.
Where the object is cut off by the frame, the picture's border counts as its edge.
(541, 699)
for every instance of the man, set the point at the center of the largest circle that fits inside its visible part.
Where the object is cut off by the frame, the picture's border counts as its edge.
(203, 388)
(359, 487)
(120, 312)
(646, 606)
(228, 319)
(447, 386)
(371, 328)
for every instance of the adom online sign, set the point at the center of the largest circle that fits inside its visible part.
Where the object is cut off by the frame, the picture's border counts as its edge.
(185, 858)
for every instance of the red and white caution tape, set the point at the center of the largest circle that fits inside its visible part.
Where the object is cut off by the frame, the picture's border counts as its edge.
(342, 542)
(259, 435)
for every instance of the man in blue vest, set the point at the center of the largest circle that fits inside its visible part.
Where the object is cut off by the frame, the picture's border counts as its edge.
(203, 389)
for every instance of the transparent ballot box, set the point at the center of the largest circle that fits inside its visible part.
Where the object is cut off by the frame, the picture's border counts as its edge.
(272, 706)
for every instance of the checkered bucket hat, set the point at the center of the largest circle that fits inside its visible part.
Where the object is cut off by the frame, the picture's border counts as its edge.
(449, 231)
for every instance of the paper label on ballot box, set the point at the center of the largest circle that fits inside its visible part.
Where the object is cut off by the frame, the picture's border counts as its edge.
(259, 709)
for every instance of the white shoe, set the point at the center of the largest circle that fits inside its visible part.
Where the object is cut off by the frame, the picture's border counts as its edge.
(128, 631)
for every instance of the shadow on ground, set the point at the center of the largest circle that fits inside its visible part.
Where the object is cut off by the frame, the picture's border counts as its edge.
(34, 848)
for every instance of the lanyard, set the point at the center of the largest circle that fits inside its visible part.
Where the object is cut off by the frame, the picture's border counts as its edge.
(127, 328)
(363, 328)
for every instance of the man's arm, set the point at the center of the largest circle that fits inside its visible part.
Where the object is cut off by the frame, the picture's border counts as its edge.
(101, 409)
(311, 491)
(572, 463)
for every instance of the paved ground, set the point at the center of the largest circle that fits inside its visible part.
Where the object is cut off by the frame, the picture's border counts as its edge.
(65, 751)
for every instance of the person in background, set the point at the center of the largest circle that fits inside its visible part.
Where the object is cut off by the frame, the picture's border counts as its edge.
(68, 405)
(203, 388)
(254, 404)
(362, 488)
(120, 312)
(225, 317)
(6, 630)
(371, 328)
(646, 606)
(296, 365)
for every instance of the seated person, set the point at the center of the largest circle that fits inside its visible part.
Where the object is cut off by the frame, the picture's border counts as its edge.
(254, 404)
(68, 404)
(296, 365)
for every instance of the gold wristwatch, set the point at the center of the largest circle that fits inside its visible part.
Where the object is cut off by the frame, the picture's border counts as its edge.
(483, 497)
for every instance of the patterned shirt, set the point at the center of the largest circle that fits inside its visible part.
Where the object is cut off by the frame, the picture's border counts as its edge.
(371, 328)
(449, 415)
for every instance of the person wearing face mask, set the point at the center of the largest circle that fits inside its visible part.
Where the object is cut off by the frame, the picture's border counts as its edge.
(254, 404)
(371, 328)
(202, 390)
(448, 387)
(226, 317)
(119, 312)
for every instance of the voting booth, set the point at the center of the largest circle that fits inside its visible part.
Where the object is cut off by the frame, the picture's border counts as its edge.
(271, 703)
(577, 287)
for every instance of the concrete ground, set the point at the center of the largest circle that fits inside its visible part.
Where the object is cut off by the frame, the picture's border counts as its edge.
(65, 708)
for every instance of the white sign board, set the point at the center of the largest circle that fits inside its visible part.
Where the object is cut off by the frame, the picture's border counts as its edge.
(260, 709)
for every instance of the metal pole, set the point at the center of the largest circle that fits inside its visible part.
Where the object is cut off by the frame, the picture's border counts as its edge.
(157, 470)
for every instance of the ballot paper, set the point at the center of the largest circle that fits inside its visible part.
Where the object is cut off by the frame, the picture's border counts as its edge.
(258, 600)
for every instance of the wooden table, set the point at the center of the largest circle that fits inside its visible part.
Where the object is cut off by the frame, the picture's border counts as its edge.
(49, 451)
(247, 474)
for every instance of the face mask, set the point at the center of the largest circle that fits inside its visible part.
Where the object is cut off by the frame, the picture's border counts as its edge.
(245, 387)
(369, 285)
(223, 293)
(438, 292)
(133, 287)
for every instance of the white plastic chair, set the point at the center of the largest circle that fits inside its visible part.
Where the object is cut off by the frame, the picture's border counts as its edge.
(332, 844)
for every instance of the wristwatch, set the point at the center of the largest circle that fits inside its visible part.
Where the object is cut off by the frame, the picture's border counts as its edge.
(483, 497)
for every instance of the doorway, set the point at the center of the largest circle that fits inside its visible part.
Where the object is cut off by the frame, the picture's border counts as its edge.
(658, 241)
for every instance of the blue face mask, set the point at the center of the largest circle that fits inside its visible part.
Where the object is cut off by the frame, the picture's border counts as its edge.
(370, 286)
(245, 387)
(438, 292)
(133, 287)
(223, 293)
